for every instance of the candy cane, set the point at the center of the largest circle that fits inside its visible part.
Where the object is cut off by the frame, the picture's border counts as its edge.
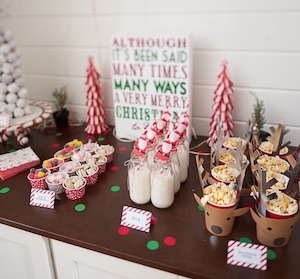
(4, 136)
(21, 135)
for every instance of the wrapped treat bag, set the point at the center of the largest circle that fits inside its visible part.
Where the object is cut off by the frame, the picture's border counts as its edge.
(139, 173)
(162, 177)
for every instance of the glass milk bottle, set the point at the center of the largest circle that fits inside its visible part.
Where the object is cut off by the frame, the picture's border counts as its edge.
(162, 178)
(150, 136)
(139, 174)
(173, 137)
(184, 160)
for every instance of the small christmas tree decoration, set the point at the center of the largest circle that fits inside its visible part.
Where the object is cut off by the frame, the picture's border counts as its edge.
(96, 117)
(222, 106)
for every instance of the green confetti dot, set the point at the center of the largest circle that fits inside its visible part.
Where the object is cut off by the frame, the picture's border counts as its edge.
(4, 190)
(59, 134)
(11, 150)
(271, 255)
(152, 245)
(9, 142)
(101, 139)
(115, 188)
(80, 207)
(201, 208)
(245, 239)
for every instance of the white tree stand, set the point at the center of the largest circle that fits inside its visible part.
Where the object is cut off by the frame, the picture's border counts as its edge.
(20, 127)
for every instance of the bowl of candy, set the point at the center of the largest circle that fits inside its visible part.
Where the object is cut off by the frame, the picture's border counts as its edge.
(37, 178)
(55, 181)
(74, 187)
(53, 164)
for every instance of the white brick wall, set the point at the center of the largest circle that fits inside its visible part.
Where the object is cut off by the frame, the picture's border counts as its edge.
(260, 40)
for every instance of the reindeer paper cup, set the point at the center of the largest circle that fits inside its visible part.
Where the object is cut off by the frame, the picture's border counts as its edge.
(273, 232)
(107, 151)
(220, 203)
(74, 187)
(37, 178)
(55, 181)
(89, 172)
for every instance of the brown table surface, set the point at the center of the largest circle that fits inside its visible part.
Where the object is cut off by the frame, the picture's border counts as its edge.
(196, 254)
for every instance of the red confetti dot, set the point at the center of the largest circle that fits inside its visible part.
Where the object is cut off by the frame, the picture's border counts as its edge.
(170, 241)
(114, 168)
(90, 137)
(153, 220)
(123, 230)
(55, 145)
(122, 149)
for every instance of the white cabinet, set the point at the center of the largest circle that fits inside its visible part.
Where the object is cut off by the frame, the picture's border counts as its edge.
(72, 262)
(24, 255)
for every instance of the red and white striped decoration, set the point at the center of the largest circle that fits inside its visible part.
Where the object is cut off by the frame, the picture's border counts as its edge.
(259, 250)
(130, 216)
(4, 136)
(48, 198)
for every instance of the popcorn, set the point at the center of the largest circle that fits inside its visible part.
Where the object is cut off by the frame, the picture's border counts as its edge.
(282, 180)
(273, 163)
(232, 141)
(227, 158)
(283, 204)
(219, 194)
(223, 173)
(267, 147)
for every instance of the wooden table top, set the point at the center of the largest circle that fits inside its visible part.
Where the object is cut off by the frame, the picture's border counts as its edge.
(196, 253)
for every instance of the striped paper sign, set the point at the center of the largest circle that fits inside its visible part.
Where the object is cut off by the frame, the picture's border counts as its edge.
(247, 255)
(42, 198)
(135, 218)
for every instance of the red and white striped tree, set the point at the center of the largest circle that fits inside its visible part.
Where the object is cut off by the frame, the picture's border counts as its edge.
(223, 105)
(96, 117)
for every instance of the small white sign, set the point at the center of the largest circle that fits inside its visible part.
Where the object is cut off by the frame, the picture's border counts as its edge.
(247, 255)
(4, 120)
(136, 218)
(42, 198)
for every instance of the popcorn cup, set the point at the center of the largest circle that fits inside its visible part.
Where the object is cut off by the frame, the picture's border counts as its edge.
(266, 147)
(107, 151)
(76, 192)
(69, 167)
(89, 172)
(220, 216)
(55, 181)
(231, 142)
(223, 173)
(53, 164)
(273, 232)
(100, 161)
(38, 182)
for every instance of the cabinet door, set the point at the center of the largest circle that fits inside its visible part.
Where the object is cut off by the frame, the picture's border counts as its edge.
(24, 255)
(72, 262)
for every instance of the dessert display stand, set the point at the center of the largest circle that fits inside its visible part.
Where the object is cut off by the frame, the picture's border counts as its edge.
(20, 127)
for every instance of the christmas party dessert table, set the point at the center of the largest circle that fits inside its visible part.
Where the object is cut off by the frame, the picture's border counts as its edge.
(85, 236)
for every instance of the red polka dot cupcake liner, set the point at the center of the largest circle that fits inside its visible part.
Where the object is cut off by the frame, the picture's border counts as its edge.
(102, 168)
(110, 157)
(38, 183)
(92, 179)
(75, 194)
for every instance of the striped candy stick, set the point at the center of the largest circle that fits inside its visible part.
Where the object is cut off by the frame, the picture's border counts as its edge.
(4, 136)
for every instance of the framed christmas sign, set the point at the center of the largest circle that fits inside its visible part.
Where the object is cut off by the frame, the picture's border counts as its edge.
(149, 75)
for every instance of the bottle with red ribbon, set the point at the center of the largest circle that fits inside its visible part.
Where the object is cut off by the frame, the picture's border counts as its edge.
(139, 173)
(162, 177)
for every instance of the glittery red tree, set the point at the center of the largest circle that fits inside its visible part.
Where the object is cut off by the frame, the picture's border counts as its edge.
(223, 105)
(96, 117)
